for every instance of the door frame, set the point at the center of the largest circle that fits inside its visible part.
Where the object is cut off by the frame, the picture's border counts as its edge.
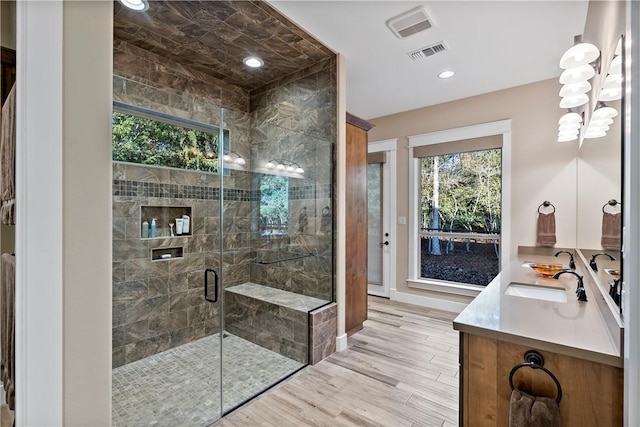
(389, 173)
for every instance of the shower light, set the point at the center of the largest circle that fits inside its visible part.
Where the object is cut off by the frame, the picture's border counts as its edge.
(253, 62)
(227, 158)
(137, 5)
(299, 170)
(233, 157)
(270, 165)
(240, 161)
(280, 166)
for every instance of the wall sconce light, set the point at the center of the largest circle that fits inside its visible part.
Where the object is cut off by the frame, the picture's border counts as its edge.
(284, 165)
(233, 157)
(569, 126)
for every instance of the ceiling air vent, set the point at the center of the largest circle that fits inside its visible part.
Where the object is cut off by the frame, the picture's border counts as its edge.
(427, 51)
(410, 22)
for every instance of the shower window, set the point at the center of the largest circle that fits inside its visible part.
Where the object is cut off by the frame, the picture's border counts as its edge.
(150, 138)
(274, 205)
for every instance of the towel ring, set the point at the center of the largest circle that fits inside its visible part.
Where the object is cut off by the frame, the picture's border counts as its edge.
(534, 360)
(612, 202)
(546, 204)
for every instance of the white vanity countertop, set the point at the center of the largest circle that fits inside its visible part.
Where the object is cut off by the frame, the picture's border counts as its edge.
(572, 328)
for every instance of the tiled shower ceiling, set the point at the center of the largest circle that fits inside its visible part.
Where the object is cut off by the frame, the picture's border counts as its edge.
(214, 36)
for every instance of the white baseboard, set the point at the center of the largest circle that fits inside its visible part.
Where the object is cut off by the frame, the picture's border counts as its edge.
(430, 302)
(341, 342)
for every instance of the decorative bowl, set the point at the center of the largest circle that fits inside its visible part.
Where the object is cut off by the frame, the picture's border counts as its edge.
(547, 270)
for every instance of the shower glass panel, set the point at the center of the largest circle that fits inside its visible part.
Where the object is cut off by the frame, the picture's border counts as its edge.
(277, 258)
(167, 267)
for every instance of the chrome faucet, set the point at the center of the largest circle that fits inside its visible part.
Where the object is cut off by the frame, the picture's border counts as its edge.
(592, 262)
(572, 263)
(580, 292)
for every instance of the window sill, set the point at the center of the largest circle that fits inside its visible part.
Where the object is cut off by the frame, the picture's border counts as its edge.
(445, 287)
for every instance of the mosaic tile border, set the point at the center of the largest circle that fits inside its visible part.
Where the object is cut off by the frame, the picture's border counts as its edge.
(178, 191)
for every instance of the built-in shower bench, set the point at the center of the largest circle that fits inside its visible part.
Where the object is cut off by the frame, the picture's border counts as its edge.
(270, 317)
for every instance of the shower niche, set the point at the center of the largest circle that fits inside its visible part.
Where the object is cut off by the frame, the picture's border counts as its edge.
(166, 221)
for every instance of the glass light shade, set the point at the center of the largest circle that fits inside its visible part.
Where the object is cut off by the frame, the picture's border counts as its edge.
(299, 170)
(227, 158)
(574, 101)
(573, 127)
(613, 81)
(290, 168)
(240, 161)
(616, 65)
(570, 117)
(137, 5)
(580, 54)
(594, 134)
(577, 75)
(612, 94)
(604, 113)
(269, 165)
(280, 166)
(566, 138)
(575, 89)
(600, 122)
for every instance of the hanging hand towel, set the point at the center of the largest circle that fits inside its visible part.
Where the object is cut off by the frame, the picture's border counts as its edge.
(8, 159)
(533, 411)
(546, 230)
(611, 230)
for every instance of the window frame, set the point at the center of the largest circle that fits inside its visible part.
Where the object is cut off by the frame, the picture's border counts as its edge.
(501, 128)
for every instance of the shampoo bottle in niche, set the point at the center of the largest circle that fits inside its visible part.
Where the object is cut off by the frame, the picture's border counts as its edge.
(145, 230)
(152, 232)
(179, 224)
(185, 224)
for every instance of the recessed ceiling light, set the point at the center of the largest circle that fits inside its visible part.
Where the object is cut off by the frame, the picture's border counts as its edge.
(137, 5)
(253, 62)
(446, 74)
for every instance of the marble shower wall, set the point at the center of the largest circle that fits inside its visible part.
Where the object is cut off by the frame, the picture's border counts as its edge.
(158, 304)
(294, 119)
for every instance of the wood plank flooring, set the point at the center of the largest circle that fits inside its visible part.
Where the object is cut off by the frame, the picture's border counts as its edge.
(400, 370)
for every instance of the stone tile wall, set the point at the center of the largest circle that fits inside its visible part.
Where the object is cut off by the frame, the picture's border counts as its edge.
(323, 329)
(159, 304)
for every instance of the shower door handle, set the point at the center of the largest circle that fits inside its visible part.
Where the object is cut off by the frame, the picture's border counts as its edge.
(206, 285)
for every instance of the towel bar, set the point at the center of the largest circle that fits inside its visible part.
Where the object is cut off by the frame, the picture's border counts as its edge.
(546, 204)
(534, 360)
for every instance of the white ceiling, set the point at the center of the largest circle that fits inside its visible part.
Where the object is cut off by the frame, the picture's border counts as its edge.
(492, 45)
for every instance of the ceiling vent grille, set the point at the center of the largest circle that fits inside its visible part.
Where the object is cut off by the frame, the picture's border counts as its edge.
(411, 22)
(427, 51)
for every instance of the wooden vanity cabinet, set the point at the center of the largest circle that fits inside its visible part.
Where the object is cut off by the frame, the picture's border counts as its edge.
(356, 223)
(592, 392)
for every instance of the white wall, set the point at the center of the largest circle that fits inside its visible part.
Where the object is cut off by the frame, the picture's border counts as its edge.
(63, 290)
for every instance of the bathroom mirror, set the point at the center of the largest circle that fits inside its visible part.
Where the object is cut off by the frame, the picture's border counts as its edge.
(599, 200)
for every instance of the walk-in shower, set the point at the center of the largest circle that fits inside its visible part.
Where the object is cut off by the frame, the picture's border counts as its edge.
(222, 208)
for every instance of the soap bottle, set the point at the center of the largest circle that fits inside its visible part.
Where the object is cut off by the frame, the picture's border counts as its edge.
(145, 230)
(152, 233)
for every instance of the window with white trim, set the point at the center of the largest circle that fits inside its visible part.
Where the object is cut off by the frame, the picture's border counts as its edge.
(457, 217)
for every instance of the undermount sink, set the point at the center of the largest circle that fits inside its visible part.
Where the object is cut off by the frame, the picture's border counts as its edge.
(536, 292)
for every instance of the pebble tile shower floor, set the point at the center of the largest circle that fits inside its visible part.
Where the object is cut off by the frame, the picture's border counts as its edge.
(180, 387)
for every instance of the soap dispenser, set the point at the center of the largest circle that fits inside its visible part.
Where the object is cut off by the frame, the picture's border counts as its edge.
(152, 232)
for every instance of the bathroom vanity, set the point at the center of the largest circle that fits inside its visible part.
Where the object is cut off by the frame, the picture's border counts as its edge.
(580, 342)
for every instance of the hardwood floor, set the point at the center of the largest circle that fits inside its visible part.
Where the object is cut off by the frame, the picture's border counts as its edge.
(401, 369)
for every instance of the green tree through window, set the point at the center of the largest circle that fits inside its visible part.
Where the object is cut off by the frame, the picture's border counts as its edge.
(152, 142)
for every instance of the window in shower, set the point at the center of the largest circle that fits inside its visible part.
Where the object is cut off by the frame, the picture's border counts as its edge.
(274, 205)
(150, 138)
